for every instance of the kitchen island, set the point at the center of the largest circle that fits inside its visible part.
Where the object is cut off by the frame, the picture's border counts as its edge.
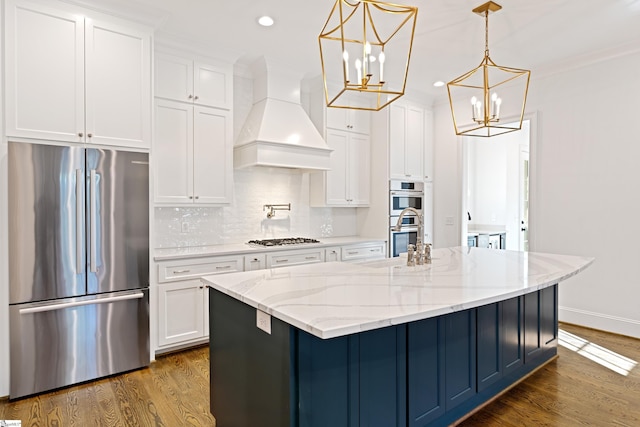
(381, 343)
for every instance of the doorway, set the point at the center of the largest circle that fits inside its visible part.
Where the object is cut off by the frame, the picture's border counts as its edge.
(496, 189)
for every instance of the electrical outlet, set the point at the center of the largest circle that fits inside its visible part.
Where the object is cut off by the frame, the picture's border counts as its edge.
(263, 321)
(185, 227)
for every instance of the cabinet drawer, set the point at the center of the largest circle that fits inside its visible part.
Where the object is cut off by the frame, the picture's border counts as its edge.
(187, 269)
(283, 259)
(353, 253)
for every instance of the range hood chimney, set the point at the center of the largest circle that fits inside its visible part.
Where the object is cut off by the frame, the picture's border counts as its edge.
(277, 131)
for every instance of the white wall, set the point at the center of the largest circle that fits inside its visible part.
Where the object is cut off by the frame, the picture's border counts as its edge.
(584, 185)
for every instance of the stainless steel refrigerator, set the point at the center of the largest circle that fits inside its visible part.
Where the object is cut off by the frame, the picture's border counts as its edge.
(78, 264)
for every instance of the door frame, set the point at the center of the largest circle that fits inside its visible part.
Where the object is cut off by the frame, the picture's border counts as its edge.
(463, 165)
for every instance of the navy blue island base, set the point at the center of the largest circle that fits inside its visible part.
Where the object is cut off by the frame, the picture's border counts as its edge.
(431, 372)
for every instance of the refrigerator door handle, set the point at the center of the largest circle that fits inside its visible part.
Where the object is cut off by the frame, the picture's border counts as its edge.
(92, 221)
(52, 307)
(79, 222)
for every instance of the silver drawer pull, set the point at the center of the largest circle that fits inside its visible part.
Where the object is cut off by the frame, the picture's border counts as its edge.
(180, 271)
(282, 260)
(373, 250)
(352, 253)
(310, 257)
(223, 267)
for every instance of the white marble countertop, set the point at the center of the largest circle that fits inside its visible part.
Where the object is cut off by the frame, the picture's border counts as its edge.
(167, 254)
(336, 299)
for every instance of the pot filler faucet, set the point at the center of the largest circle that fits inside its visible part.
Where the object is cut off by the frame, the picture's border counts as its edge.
(422, 252)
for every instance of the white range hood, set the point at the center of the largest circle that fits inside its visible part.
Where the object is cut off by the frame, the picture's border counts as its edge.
(277, 131)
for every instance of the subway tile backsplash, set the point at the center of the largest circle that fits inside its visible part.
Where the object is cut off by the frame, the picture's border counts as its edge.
(245, 218)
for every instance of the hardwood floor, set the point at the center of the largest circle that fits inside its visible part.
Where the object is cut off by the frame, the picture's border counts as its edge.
(174, 391)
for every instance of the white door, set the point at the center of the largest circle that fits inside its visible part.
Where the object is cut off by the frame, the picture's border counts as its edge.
(173, 152)
(414, 145)
(118, 80)
(44, 73)
(212, 159)
(212, 86)
(359, 172)
(174, 77)
(337, 176)
(181, 312)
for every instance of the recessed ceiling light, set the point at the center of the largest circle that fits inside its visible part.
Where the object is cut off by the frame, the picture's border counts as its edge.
(265, 21)
(439, 83)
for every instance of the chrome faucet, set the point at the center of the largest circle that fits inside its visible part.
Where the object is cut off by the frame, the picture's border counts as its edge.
(419, 254)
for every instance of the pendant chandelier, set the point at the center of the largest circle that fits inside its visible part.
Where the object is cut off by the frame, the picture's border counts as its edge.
(476, 97)
(365, 47)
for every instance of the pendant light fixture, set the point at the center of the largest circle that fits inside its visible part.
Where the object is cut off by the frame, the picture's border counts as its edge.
(365, 47)
(480, 96)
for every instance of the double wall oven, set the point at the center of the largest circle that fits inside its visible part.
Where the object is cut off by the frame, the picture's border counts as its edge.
(402, 195)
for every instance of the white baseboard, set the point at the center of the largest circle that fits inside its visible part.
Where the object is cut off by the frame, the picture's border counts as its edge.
(604, 322)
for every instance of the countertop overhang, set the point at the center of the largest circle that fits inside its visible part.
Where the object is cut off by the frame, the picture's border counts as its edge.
(335, 299)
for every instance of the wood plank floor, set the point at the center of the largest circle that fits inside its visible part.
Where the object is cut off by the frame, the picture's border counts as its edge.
(174, 391)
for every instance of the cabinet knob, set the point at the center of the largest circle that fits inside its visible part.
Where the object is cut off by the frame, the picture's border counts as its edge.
(89, 135)
(190, 96)
(80, 134)
(191, 197)
(197, 197)
(195, 97)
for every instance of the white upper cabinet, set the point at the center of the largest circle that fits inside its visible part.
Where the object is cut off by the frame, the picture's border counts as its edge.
(348, 119)
(186, 80)
(428, 145)
(76, 76)
(348, 181)
(406, 141)
(192, 160)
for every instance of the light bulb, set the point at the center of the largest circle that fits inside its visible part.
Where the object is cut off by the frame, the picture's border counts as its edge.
(345, 56)
(473, 100)
(367, 48)
(381, 57)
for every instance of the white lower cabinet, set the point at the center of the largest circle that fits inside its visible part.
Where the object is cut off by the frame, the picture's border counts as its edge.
(332, 254)
(255, 262)
(295, 257)
(183, 302)
(362, 252)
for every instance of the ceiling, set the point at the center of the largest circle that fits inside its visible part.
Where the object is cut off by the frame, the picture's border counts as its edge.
(541, 35)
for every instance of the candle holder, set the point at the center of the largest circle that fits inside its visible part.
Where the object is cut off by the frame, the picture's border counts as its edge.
(484, 86)
(365, 49)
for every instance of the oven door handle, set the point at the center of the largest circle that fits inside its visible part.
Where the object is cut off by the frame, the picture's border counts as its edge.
(405, 229)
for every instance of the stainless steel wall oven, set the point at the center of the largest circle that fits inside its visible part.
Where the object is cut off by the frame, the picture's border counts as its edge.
(402, 195)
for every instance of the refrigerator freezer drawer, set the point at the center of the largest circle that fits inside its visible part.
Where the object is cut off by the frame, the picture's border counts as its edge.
(77, 339)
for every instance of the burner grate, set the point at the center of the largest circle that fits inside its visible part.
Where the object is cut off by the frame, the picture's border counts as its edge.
(283, 242)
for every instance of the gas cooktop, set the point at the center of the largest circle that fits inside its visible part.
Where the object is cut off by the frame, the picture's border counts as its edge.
(283, 242)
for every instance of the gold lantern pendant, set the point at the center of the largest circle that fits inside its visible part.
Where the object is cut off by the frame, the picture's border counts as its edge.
(481, 86)
(365, 47)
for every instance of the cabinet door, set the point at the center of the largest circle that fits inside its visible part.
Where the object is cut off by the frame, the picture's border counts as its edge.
(212, 85)
(44, 72)
(255, 262)
(118, 80)
(425, 364)
(428, 145)
(490, 342)
(173, 152)
(174, 77)
(427, 209)
(360, 121)
(181, 312)
(358, 173)
(414, 143)
(332, 254)
(212, 158)
(397, 136)
(337, 177)
(460, 356)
